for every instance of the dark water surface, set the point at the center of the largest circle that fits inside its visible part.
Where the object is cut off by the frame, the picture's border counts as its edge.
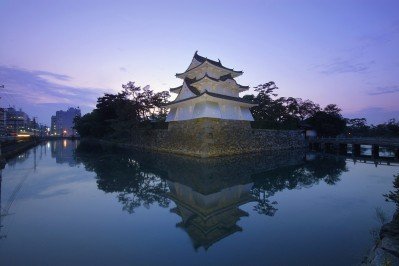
(68, 204)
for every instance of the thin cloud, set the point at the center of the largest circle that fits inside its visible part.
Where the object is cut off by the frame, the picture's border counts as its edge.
(52, 75)
(30, 86)
(38, 92)
(384, 90)
(340, 66)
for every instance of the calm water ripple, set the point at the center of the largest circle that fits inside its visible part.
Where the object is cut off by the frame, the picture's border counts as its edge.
(65, 203)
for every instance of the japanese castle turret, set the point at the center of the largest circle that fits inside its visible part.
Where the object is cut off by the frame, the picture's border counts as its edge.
(209, 91)
(208, 118)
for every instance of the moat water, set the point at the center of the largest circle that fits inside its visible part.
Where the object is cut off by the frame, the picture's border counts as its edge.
(65, 203)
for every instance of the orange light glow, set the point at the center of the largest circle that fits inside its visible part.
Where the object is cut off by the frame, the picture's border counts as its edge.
(23, 135)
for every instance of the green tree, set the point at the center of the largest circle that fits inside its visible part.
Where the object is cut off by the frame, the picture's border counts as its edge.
(279, 112)
(357, 127)
(327, 124)
(270, 112)
(332, 109)
(160, 99)
(119, 115)
(90, 125)
(393, 196)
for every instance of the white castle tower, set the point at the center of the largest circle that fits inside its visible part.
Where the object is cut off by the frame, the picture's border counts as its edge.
(209, 91)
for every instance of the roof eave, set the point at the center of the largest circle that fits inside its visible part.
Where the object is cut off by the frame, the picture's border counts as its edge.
(176, 89)
(234, 73)
(242, 89)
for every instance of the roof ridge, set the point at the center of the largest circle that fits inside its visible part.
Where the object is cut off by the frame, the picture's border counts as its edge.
(175, 88)
(202, 60)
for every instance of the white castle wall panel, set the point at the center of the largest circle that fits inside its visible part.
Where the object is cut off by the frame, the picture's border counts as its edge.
(172, 115)
(185, 112)
(229, 111)
(213, 110)
(246, 114)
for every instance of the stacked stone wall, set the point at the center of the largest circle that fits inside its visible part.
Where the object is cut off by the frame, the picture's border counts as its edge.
(207, 137)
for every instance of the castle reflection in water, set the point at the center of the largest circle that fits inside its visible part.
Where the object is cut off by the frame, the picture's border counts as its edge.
(279, 205)
(205, 193)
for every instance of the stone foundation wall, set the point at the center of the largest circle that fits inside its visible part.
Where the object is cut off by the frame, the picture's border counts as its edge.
(207, 137)
(386, 248)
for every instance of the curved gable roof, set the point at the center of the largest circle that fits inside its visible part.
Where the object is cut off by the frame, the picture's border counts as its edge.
(222, 78)
(215, 95)
(204, 60)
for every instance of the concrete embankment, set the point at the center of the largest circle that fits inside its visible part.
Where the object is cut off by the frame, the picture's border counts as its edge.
(11, 149)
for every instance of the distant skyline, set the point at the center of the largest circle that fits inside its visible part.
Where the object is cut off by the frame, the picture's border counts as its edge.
(60, 54)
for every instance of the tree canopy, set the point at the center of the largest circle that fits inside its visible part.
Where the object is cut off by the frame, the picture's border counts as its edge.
(117, 115)
(275, 112)
(359, 127)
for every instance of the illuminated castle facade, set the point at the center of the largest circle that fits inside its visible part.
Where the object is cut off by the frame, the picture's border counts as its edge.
(209, 90)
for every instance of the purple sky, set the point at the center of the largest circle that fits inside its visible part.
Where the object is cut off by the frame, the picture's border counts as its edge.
(55, 54)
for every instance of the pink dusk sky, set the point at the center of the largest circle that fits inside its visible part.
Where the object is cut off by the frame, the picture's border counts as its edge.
(56, 54)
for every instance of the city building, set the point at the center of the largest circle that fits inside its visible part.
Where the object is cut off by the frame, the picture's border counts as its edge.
(53, 125)
(16, 121)
(3, 131)
(43, 130)
(62, 122)
(209, 90)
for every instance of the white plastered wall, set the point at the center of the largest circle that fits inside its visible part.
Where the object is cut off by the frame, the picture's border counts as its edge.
(184, 93)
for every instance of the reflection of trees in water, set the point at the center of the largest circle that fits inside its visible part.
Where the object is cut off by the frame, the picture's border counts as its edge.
(118, 172)
(149, 189)
(139, 182)
(327, 168)
(207, 193)
(324, 168)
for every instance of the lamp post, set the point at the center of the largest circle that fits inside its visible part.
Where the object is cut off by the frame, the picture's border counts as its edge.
(34, 126)
(4, 116)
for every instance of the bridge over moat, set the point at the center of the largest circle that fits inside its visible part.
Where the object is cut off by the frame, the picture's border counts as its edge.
(341, 145)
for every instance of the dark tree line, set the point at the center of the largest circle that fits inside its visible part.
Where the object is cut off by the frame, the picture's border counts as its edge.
(143, 179)
(275, 112)
(118, 115)
(118, 172)
(359, 127)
